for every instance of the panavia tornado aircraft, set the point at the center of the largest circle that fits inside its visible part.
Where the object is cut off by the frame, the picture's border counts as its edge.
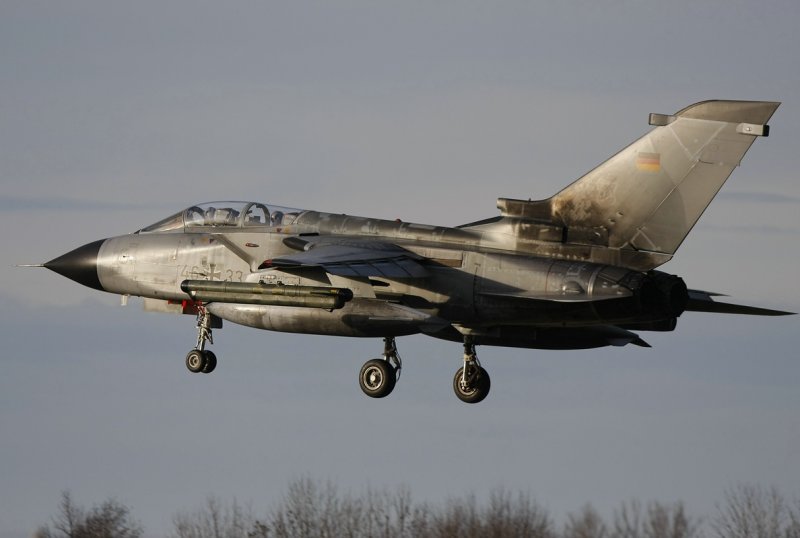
(574, 271)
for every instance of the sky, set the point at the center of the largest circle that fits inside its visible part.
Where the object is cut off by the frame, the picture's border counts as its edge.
(114, 115)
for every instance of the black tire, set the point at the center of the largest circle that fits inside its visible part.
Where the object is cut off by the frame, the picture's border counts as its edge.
(211, 362)
(477, 385)
(377, 378)
(195, 361)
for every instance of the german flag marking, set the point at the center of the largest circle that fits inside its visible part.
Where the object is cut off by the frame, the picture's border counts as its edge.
(648, 162)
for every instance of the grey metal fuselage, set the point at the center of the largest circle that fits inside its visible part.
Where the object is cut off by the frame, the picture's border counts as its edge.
(476, 280)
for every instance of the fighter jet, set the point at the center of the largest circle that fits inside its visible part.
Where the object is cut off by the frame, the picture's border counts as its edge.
(574, 271)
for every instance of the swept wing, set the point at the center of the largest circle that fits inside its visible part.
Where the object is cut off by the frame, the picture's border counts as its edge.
(350, 258)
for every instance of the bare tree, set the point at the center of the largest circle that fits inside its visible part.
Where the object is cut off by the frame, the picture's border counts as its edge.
(793, 527)
(66, 522)
(505, 515)
(459, 517)
(657, 521)
(520, 516)
(628, 521)
(110, 519)
(665, 521)
(753, 512)
(311, 510)
(308, 511)
(216, 520)
(585, 524)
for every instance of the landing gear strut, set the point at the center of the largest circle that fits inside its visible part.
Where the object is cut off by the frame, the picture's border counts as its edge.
(379, 376)
(471, 382)
(201, 359)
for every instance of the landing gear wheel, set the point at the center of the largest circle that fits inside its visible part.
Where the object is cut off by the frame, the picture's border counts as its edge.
(201, 359)
(196, 361)
(377, 378)
(211, 362)
(472, 387)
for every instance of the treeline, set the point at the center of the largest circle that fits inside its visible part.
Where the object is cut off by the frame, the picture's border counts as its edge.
(313, 510)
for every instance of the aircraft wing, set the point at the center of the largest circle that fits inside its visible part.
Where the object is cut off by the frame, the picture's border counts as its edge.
(702, 301)
(350, 258)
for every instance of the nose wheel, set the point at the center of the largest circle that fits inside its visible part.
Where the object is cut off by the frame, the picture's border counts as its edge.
(471, 382)
(378, 377)
(198, 361)
(201, 360)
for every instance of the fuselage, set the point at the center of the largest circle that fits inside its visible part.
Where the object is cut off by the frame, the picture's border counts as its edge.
(477, 279)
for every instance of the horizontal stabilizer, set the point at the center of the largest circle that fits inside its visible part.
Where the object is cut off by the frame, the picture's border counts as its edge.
(639, 342)
(555, 297)
(617, 336)
(588, 337)
(701, 301)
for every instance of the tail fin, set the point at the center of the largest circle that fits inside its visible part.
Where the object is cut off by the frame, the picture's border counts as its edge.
(649, 195)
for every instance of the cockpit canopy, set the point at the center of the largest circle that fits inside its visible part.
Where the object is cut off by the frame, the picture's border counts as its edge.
(228, 215)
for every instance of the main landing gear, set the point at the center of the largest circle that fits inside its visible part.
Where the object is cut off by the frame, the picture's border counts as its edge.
(471, 382)
(379, 376)
(201, 359)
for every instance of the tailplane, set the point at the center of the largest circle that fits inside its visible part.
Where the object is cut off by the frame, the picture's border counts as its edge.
(647, 197)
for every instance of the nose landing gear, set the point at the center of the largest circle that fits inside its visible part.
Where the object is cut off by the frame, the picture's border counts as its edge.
(201, 360)
(198, 361)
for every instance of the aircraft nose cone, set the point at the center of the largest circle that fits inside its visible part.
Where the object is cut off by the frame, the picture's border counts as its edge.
(79, 265)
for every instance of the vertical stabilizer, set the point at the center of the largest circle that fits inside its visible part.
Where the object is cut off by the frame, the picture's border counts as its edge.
(648, 196)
